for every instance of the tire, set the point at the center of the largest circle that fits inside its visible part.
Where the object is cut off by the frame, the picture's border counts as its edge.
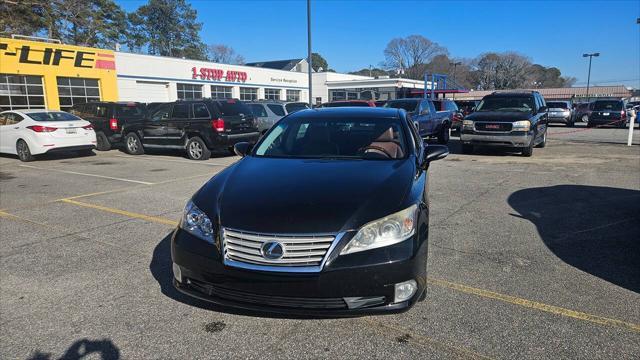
(132, 144)
(585, 118)
(444, 135)
(527, 151)
(467, 149)
(197, 149)
(103, 143)
(22, 149)
(543, 143)
(86, 153)
(589, 125)
(571, 124)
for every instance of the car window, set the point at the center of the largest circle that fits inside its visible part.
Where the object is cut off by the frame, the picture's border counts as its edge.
(180, 111)
(3, 119)
(335, 138)
(612, 105)
(277, 109)
(258, 110)
(101, 111)
(53, 116)
(507, 103)
(232, 107)
(557, 105)
(293, 107)
(408, 105)
(132, 110)
(12, 119)
(201, 111)
(161, 113)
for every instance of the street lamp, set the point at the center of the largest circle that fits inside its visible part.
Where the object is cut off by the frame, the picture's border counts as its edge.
(310, 70)
(590, 56)
(455, 65)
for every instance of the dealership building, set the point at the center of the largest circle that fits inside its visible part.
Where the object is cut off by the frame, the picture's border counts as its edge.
(47, 74)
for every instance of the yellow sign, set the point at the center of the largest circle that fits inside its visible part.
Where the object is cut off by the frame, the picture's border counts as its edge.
(50, 61)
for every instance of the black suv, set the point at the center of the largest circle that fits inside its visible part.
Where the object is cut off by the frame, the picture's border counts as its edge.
(507, 119)
(607, 112)
(109, 119)
(198, 126)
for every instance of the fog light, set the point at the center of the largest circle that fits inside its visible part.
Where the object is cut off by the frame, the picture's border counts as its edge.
(405, 290)
(177, 273)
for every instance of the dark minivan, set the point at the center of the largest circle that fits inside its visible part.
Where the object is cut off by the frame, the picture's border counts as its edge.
(607, 112)
(109, 119)
(514, 119)
(197, 126)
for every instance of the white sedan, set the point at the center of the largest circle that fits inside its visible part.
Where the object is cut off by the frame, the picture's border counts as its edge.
(31, 132)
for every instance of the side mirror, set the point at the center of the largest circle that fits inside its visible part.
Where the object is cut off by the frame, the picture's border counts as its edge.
(435, 152)
(473, 109)
(242, 149)
(543, 109)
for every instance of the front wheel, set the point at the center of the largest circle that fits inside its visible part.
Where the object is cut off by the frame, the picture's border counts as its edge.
(133, 145)
(197, 149)
(527, 151)
(22, 149)
(543, 143)
(444, 135)
(585, 118)
(102, 142)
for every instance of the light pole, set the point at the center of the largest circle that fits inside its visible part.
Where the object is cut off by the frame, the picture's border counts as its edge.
(455, 65)
(310, 70)
(590, 56)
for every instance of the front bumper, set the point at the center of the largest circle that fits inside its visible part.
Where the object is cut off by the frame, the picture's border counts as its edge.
(564, 119)
(347, 286)
(510, 139)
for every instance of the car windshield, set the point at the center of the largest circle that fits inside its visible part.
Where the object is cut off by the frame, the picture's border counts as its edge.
(291, 108)
(232, 107)
(607, 105)
(408, 105)
(504, 103)
(53, 116)
(335, 138)
(557, 105)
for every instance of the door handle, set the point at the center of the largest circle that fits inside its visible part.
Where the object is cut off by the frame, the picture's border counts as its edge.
(17, 127)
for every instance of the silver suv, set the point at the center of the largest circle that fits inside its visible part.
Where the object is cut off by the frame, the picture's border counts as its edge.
(268, 112)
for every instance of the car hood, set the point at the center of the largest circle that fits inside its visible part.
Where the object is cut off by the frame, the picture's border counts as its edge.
(498, 116)
(271, 195)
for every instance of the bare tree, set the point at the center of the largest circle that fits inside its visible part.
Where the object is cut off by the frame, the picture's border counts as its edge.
(224, 54)
(501, 71)
(411, 53)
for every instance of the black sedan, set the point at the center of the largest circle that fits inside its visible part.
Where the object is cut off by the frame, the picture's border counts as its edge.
(326, 215)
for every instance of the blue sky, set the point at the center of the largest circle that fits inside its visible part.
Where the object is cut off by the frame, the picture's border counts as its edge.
(351, 35)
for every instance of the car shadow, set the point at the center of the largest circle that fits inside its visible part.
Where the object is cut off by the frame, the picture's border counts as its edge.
(592, 228)
(177, 152)
(105, 349)
(62, 155)
(161, 269)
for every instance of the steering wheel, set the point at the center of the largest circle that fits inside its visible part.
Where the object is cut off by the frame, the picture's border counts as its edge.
(374, 147)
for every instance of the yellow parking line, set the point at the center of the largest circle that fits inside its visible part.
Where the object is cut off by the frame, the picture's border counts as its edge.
(536, 305)
(130, 214)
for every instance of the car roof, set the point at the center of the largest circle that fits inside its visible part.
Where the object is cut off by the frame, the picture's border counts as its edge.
(356, 111)
(31, 111)
(511, 93)
(406, 99)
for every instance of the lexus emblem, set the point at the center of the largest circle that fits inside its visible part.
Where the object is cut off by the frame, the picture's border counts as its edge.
(272, 250)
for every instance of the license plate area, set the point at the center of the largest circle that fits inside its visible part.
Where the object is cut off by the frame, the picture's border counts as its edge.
(71, 131)
(605, 114)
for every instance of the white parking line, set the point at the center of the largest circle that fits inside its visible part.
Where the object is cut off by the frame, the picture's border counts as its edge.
(85, 174)
(192, 162)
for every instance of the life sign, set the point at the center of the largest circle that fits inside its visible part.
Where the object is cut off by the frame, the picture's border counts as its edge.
(25, 54)
(218, 74)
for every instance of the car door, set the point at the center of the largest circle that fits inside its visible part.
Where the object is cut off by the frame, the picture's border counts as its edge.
(177, 124)
(425, 118)
(540, 118)
(155, 128)
(10, 132)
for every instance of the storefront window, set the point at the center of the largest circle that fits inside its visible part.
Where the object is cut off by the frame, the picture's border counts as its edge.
(221, 92)
(77, 91)
(21, 92)
(293, 95)
(189, 91)
(248, 94)
(272, 94)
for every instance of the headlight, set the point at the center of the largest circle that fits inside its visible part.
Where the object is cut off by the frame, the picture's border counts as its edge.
(387, 231)
(467, 123)
(523, 125)
(197, 223)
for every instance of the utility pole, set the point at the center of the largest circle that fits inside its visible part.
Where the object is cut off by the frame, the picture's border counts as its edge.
(309, 52)
(455, 65)
(590, 56)
(370, 70)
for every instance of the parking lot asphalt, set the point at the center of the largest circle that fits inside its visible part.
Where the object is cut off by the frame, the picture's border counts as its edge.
(528, 258)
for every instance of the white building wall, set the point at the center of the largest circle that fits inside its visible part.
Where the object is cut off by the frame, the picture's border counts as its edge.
(134, 71)
(320, 88)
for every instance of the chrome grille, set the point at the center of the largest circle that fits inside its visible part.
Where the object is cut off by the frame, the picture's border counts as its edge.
(299, 250)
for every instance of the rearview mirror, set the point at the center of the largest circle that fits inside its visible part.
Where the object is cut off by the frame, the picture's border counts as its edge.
(435, 152)
(242, 149)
